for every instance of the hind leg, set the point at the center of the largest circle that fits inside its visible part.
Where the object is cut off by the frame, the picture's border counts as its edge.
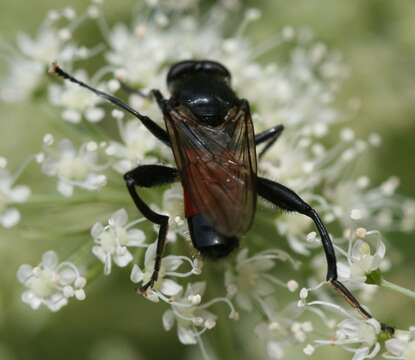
(287, 199)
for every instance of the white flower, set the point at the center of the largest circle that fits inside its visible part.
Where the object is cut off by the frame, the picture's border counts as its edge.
(192, 318)
(113, 240)
(50, 283)
(11, 194)
(363, 262)
(295, 228)
(76, 101)
(355, 204)
(46, 45)
(73, 168)
(357, 336)
(28, 63)
(250, 279)
(363, 333)
(136, 148)
(282, 328)
(291, 162)
(23, 78)
(164, 287)
(365, 256)
(401, 346)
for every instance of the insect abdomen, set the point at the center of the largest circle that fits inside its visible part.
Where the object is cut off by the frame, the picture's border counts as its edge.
(208, 240)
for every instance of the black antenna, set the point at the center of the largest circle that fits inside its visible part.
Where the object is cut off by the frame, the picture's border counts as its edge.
(155, 129)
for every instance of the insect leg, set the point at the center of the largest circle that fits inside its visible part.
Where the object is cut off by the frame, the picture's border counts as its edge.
(269, 137)
(150, 176)
(155, 129)
(287, 199)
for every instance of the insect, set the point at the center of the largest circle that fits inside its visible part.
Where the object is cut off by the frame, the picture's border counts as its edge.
(211, 134)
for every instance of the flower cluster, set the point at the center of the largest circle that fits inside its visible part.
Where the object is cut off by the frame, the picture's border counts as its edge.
(112, 241)
(51, 283)
(72, 167)
(32, 56)
(298, 90)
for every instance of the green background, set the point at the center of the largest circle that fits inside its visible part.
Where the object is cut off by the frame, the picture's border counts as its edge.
(377, 41)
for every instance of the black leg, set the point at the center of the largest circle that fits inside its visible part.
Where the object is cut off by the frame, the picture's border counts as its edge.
(150, 176)
(269, 137)
(287, 199)
(155, 129)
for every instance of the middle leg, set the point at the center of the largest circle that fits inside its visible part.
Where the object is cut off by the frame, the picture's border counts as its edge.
(150, 176)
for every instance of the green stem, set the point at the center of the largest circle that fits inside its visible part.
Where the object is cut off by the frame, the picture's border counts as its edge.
(397, 288)
(224, 341)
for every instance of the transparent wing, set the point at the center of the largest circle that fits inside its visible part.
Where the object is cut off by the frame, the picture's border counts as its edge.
(217, 167)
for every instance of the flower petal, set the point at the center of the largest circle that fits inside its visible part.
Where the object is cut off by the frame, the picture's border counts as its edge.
(97, 230)
(10, 218)
(275, 350)
(168, 320)
(150, 255)
(20, 193)
(119, 218)
(197, 288)
(136, 237)
(94, 114)
(24, 273)
(123, 260)
(170, 288)
(172, 263)
(50, 260)
(137, 274)
(186, 336)
(65, 188)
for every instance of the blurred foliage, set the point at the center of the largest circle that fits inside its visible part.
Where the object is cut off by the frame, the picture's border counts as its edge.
(377, 41)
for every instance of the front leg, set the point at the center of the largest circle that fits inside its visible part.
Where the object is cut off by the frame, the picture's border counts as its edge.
(287, 199)
(150, 176)
(269, 137)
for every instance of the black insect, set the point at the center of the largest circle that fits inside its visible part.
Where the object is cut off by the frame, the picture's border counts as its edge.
(211, 134)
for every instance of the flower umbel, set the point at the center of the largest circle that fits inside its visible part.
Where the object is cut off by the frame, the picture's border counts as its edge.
(164, 287)
(51, 283)
(113, 240)
(72, 167)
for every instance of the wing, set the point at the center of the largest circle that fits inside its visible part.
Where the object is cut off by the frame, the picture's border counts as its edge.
(217, 167)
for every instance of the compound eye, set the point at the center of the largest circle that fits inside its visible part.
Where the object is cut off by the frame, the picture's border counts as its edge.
(215, 68)
(187, 67)
(179, 69)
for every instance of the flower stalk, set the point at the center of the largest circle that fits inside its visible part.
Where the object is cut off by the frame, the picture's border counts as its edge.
(399, 289)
